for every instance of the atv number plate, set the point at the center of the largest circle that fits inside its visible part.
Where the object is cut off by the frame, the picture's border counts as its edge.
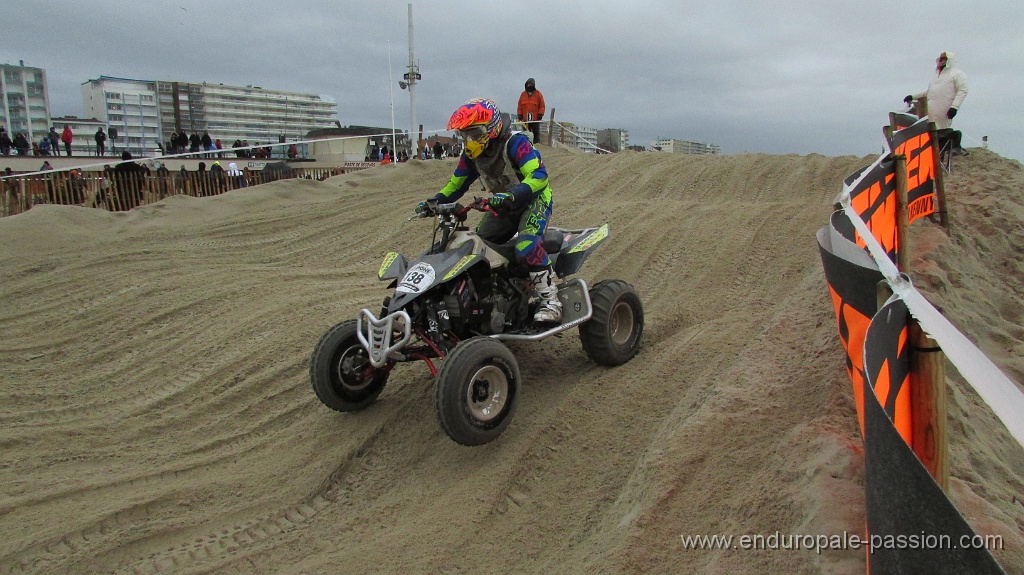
(417, 279)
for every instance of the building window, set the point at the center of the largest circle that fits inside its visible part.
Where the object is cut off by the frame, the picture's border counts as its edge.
(116, 118)
(113, 106)
(146, 98)
(112, 95)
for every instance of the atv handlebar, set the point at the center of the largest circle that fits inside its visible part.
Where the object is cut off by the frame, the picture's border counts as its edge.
(456, 210)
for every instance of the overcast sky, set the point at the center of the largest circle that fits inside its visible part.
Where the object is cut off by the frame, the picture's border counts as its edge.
(779, 77)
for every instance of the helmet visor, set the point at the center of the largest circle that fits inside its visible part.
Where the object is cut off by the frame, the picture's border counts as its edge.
(473, 133)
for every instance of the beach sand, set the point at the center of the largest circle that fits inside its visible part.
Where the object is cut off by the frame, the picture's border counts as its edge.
(156, 414)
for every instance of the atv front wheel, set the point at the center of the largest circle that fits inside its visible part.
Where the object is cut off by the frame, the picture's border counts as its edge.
(477, 390)
(612, 335)
(340, 370)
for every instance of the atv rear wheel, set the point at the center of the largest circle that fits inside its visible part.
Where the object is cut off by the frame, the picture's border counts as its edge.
(477, 390)
(612, 335)
(340, 370)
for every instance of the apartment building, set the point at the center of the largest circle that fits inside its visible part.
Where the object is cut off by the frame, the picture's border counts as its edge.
(582, 137)
(684, 147)
(252, 113)
(128, 108)
(24, 106)
(146, 112)
(613, 139)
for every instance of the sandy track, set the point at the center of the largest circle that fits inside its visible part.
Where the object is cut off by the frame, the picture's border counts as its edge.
(156, 415)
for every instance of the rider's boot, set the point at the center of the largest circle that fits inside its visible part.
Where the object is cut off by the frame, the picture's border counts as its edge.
(549, 309)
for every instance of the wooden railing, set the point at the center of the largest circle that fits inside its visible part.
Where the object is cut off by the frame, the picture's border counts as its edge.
(120, 191)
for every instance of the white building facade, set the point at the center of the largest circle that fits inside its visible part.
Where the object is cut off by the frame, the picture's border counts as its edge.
(582, 137)
(684, 147)
(24, 106)
(613, 139)
(129, 110)
(146, 112)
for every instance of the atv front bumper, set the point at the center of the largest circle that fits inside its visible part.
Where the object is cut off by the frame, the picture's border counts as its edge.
(377, 335)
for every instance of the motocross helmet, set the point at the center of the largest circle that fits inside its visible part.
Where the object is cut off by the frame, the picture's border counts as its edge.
(476, 122)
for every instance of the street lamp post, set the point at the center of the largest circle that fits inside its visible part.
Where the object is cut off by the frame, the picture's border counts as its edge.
(409, 81)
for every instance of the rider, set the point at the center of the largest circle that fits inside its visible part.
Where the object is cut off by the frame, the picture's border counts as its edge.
(513, 171)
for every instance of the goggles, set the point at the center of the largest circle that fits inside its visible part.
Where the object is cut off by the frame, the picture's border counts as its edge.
(473, 133)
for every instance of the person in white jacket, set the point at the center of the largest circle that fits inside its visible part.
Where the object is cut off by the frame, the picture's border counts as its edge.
(946, 92)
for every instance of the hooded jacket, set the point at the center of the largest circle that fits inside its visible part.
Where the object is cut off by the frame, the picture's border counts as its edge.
(531, 106)
(947, 89)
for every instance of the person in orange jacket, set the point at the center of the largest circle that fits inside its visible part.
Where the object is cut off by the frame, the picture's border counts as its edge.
(531, 108)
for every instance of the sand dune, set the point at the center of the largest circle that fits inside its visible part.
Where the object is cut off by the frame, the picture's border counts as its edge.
(156, 414)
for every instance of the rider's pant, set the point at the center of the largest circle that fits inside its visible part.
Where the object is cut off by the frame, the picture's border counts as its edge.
(530, 223)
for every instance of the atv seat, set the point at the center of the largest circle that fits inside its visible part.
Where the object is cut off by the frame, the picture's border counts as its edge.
(553, 239)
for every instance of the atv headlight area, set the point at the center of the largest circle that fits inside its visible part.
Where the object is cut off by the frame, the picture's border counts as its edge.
(376, 334)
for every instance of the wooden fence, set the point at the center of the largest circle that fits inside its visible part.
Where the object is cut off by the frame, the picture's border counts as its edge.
(123, 190)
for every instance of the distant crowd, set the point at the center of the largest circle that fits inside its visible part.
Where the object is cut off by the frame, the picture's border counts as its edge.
(179, 143)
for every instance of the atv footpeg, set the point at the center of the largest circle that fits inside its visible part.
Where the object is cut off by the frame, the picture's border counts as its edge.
(576, 309)
(376, 334)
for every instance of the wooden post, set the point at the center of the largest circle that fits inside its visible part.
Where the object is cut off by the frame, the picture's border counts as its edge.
(940, 186)
(902, 223)
(551, 125)
(928, 403)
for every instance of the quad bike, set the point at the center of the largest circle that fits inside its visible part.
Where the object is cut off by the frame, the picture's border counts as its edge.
(458, 302)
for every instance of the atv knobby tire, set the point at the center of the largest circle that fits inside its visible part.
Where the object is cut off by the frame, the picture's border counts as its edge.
(612, 335)
(476, 391)
(340, 370)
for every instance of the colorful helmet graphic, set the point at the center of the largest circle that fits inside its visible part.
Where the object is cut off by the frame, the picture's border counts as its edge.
(476, 121)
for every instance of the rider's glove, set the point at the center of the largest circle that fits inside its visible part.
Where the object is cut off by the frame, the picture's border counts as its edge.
(501, 200)
(422, 209)
(950, 113)
(908, 100)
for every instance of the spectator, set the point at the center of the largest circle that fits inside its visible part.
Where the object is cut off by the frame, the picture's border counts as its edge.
(438, 150)
(207, 143)
(236, 177)
(10, 189)
(163, 181)
(182, 183)
(21, 144)
(101, 141)
(202, 180)
(182, 142)
(112, 138)
(946, 91)
(54, 140)
(5, 142)
(102, 197)
(67, 136)
(77, 185)
(531, 108)
(44, 146)
(130, 183)
(51, 185)
(194, 141)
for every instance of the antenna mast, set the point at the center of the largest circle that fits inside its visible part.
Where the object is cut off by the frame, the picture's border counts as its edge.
(410, 79)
